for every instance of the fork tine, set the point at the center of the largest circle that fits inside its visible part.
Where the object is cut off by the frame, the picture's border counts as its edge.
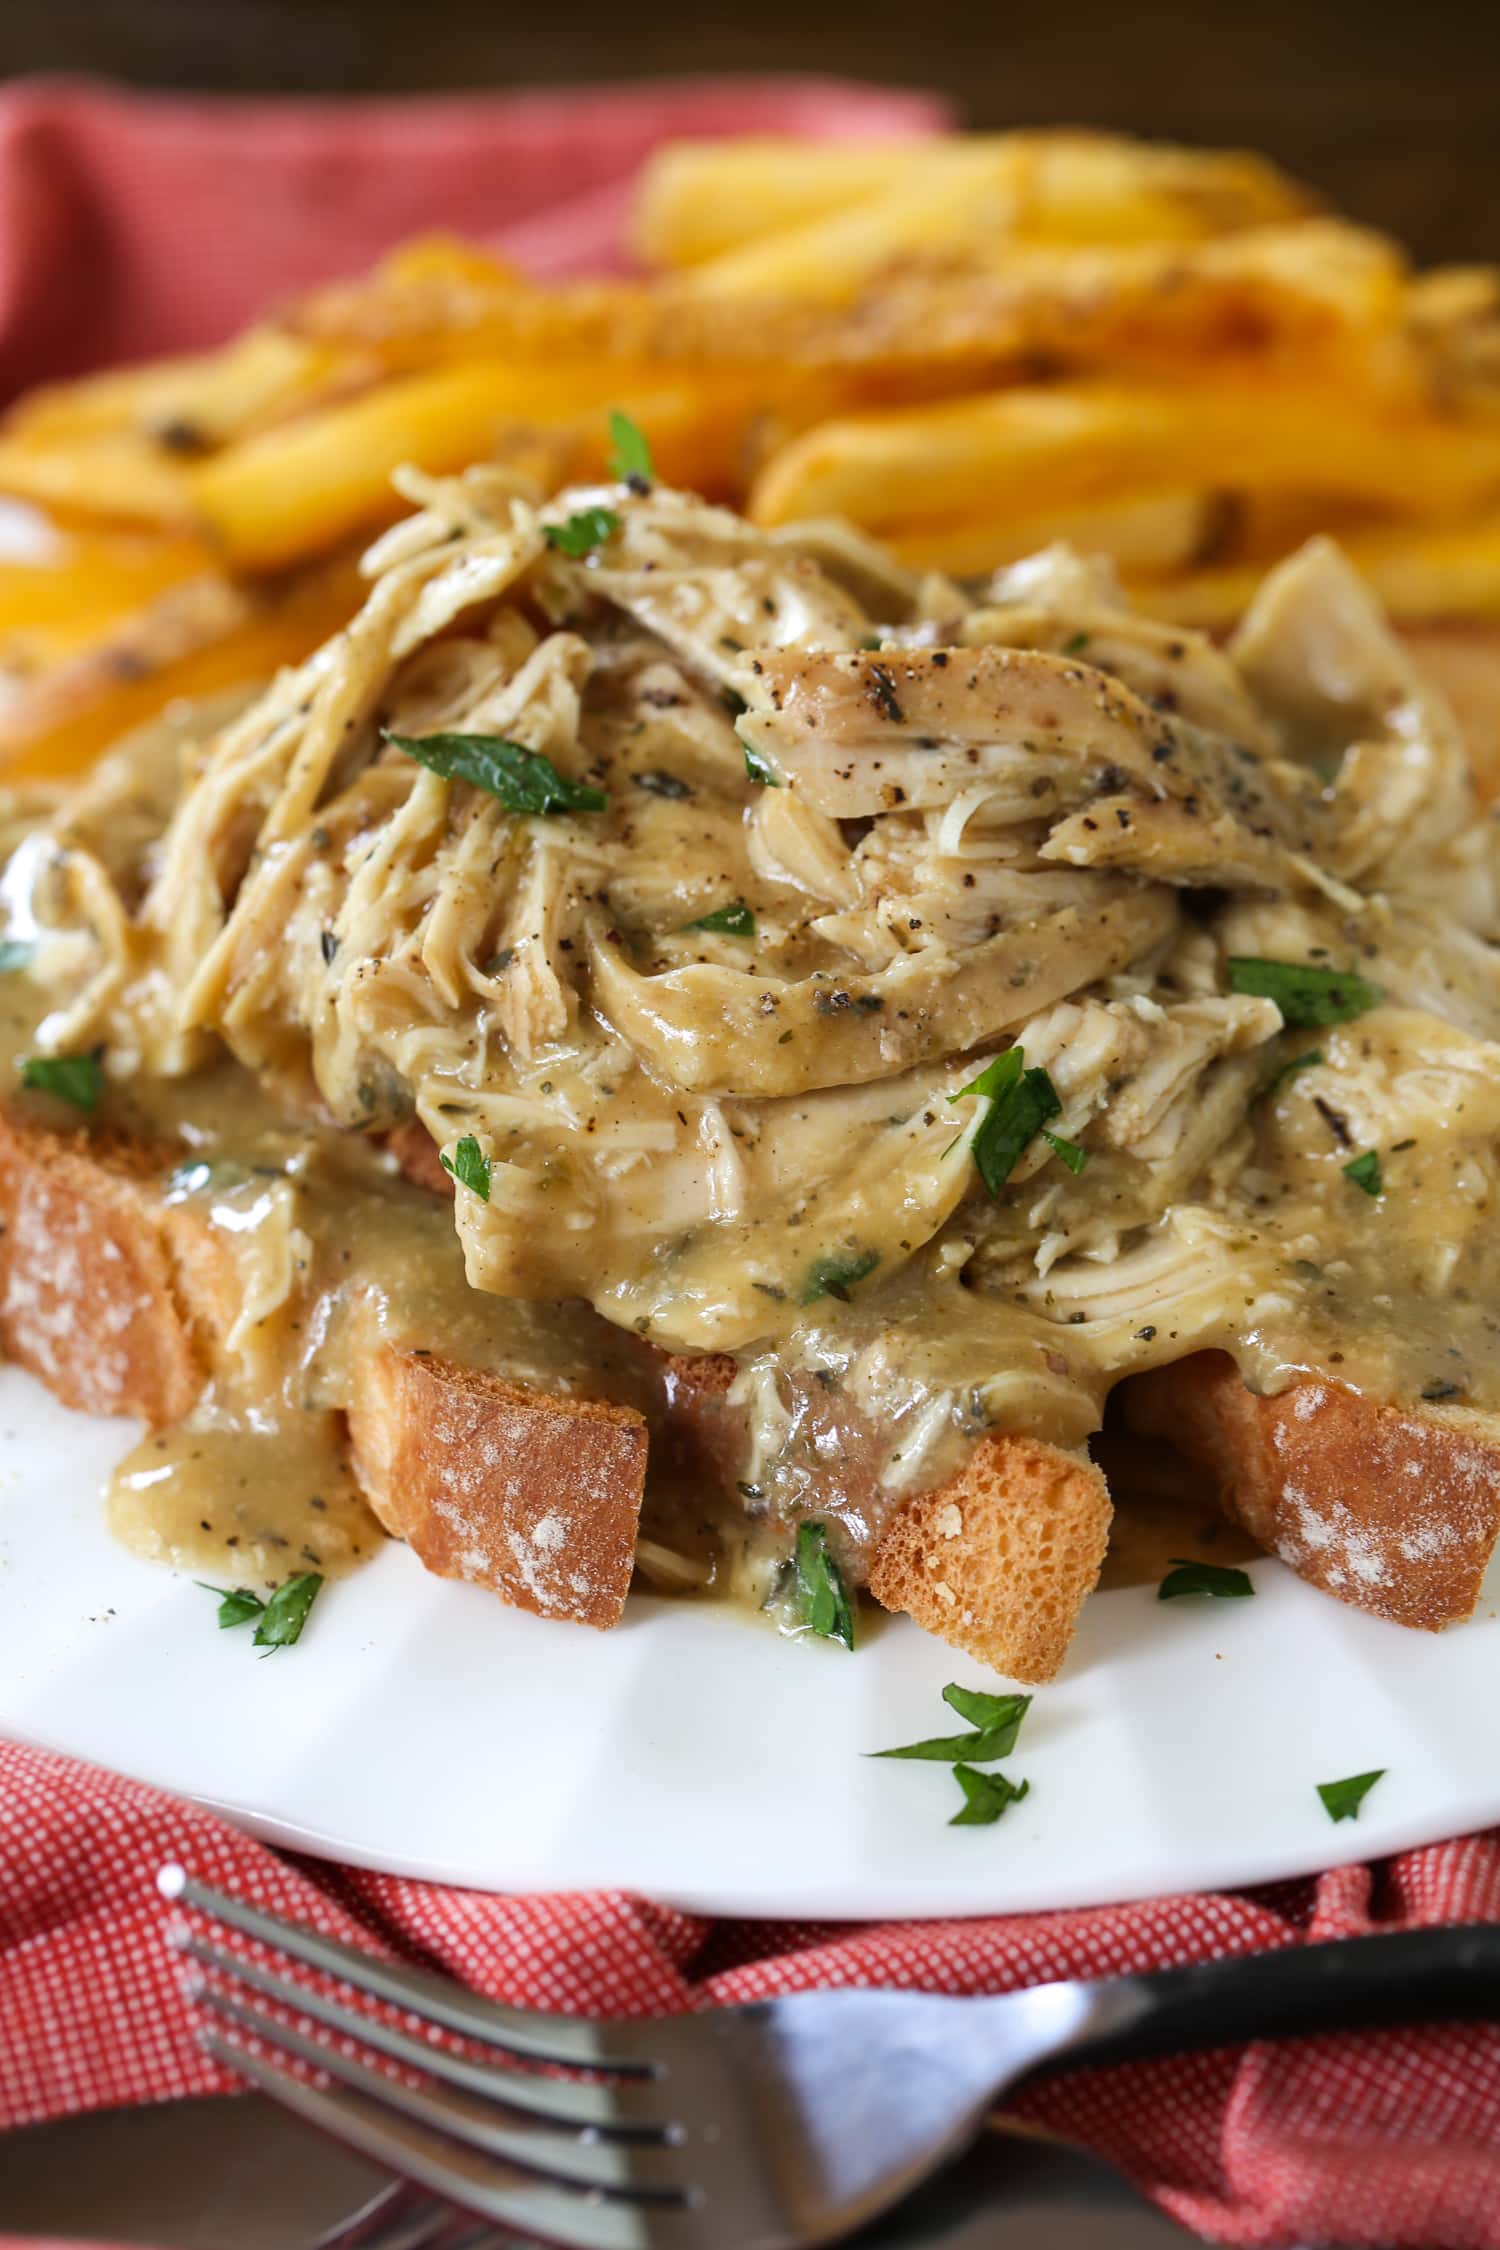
(619, 2107)
(524, 2208)
(399, 2217)
(572, 2043)
(565, 2159)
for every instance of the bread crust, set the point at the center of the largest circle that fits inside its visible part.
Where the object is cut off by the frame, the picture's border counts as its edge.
(999, 1560)
(1391, 1509)
(110, 1294)
(120, 1300)
(536, 1498)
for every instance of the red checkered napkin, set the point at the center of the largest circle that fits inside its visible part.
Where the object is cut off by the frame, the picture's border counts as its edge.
(1390, 2140)
(134, 223)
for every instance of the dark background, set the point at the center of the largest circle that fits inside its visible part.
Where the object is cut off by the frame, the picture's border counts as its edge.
(1393, 111)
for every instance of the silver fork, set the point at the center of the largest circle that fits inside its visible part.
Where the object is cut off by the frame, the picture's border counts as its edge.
(774, 2126)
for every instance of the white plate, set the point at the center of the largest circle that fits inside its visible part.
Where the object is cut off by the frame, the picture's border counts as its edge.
(696, 1756)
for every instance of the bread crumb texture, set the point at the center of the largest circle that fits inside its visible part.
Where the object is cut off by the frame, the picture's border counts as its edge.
(1000, 1560)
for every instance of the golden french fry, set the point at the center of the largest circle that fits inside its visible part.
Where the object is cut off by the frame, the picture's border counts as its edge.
(93, 574)
(297, 490)
(111, 477)
(1421, 575)
(1319, 297)
(1027, 450)
(443, 257)
(188, 406)
(700, 200)
(191, 642)
(1145, 532)
(697, 199)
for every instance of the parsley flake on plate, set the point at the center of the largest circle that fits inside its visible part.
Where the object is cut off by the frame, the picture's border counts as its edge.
(1218, 1579)
(78, 1079)
(994, 1719)
(822, 1597)
(726, 921)
(1342, 1799)
(1021, 1101)
(1364, 1172)
(522, 779)
(469, 1166)
(1305, 993)
(280, 1620)
(986, 1796)
(237, 1605)
(582, 532)
(630, 455)
(835, 1277)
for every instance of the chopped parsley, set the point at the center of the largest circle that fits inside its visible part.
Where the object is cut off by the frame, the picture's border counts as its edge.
(757, 768)
(835, 1277)
(995, 1720)
(630, 455)
(279, 1621)
(522, 779)
(1073, 643)
(469, 1166)
(236, 1605)
(1291, 1069)
(1021, 1101)
(1364, 1172)
(1305, 993)
(986, 1796)
(14, 954)
(78, 1079)
(1219, 1579)
(582, 532)
(726, 921)
(1342, 1799)
(822, 1596)
(1071, 1154)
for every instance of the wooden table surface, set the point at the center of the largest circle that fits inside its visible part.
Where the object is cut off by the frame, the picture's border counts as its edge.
(1393, 111)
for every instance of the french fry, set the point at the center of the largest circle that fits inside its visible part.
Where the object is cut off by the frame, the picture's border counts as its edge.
(704, 200)
(188, 406)
(1420, 575)
(1310, 298)
(113, 477)
(697, 199)
(299, 489)
(93, 574)
(193, 642)
(1024, 451)
(1146, 533)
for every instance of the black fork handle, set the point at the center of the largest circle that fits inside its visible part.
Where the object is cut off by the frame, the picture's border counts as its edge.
(1351, 1984)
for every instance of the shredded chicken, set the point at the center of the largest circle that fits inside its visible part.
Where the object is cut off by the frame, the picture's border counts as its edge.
(858, 833)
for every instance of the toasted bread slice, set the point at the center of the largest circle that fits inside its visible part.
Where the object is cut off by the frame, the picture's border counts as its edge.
(999, 1560)
(120, 1300)
(109, 1292)
(1393, 1510)
(536, 1498)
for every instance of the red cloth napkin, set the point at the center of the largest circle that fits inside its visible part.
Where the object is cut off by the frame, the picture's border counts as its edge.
(1388, 2140)
(134, 223)
(142, 223)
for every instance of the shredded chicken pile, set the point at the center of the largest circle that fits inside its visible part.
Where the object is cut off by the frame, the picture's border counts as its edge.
(949, 820)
